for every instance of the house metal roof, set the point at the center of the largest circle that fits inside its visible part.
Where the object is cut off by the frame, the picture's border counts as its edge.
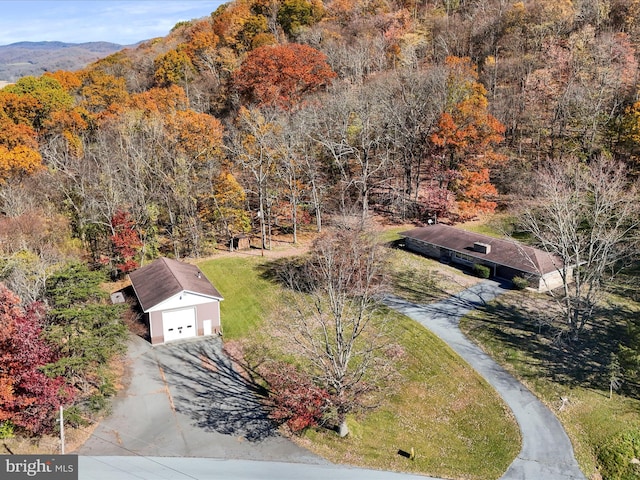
(509, 253)
(164, 278)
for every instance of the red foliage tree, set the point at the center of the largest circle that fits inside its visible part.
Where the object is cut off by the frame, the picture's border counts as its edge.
(294, 399)
(28, 397)
(126, 242)
(279, 75)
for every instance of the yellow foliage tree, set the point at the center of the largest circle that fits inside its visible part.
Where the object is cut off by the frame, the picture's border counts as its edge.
(18, 161)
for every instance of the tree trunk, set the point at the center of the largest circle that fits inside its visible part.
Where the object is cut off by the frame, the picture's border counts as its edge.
(343, 429)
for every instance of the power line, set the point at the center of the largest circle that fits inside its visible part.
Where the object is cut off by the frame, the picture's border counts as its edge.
(134, 453)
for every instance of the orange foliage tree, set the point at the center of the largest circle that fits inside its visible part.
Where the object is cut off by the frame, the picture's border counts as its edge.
(237, 23)
(465, 139)
(48, 94)
(18, 141)
(102, 92)
(281, 75)
(159, 100)
(68, 80)
(195, 135)
(18, 161)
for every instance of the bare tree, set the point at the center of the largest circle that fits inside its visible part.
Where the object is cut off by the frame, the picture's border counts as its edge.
(336, 325)
(586, 214)
(257, 148)
(350, 130)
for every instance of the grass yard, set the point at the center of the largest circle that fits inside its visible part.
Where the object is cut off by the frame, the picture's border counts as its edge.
(456, 424)
(424, 280)
(453, 420)
(512, 329)
(247, 296)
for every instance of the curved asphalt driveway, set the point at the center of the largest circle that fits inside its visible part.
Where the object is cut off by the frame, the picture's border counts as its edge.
(546, 450)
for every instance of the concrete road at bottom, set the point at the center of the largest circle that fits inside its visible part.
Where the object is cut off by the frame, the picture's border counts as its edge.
(546, 451)
(159, 468)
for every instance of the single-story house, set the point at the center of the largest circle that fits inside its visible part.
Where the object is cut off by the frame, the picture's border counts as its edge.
(505, 258)
(178, 301)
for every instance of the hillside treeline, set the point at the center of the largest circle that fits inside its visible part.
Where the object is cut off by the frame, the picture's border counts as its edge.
(275, 114)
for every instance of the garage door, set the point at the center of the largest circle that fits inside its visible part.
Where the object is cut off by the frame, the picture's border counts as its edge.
(177, 324)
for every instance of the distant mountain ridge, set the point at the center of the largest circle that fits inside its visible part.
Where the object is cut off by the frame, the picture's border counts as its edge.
(34, 58)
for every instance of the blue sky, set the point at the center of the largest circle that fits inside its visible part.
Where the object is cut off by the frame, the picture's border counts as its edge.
(76, 21)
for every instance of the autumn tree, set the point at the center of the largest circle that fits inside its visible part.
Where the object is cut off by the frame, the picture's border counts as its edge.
(295, 14)
(281, 75)
(50, 96)
(18, 161)
(335, 324)
(173, 68)
(350, 129)
(585, 214)
(70, 81)
(19, 154)
(223, 206)
(29, 399)
(257, 147)
(126, 243)
(101, 91)
(237, 24)
(465, 139)
(293, 397)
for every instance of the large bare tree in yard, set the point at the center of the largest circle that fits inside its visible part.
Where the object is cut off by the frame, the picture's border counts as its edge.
(584, 212)
(334, 323)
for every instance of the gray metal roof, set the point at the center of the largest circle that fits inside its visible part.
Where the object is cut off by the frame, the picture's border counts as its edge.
(509, 253)
(165, 277)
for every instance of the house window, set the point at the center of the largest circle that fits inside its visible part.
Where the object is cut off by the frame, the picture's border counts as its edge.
(462, 258)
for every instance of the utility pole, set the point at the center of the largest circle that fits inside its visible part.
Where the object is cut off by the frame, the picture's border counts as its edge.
(61, 431)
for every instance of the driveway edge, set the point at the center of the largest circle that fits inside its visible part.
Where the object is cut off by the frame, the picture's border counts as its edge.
(546, 449)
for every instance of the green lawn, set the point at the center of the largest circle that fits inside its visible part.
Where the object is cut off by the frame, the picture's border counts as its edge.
(508, 330)
(247, 296)
(456, 424)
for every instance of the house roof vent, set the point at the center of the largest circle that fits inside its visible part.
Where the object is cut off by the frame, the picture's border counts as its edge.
(482, 247)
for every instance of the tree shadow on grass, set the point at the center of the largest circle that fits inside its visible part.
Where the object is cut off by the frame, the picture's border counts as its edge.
(580, 362)
(210, 391)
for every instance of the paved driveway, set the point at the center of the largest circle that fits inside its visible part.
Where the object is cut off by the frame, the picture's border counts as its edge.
(184, 399)
(546, 450)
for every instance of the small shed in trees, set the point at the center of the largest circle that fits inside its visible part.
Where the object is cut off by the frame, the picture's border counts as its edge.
(505, 258)
(239, 242)
(178, 301)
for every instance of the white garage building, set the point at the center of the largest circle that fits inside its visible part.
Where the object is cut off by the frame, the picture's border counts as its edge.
(178, 301)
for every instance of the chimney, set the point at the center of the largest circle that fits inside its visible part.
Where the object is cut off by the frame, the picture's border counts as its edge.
(482, 247)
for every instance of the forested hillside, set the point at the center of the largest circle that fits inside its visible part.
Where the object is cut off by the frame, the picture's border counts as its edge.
(291, 111)
(280, 114)
(34, 58)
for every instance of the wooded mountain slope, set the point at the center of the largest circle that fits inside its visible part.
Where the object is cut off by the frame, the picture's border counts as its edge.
(276, 114)
(34, 58)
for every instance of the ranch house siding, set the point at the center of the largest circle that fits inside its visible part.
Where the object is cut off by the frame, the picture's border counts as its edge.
(424, 248)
